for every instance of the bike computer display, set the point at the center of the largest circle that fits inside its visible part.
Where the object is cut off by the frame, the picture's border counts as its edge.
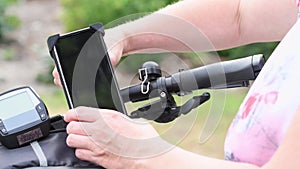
(23, 117)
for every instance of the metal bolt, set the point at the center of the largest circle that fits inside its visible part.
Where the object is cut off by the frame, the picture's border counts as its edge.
(3, 130)
(162, 94)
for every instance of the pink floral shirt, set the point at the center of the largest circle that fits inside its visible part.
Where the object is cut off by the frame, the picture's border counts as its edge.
(265, 114)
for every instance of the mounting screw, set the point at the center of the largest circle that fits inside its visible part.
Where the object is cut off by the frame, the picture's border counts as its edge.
(4, 131)
(162, 94)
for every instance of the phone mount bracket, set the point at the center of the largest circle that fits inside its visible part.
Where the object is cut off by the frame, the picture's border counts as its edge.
(53, 39)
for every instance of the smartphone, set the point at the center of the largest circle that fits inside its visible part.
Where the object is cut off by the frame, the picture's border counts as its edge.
(85, 69)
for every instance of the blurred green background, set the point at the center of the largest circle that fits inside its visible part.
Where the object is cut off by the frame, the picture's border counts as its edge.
(24, 59)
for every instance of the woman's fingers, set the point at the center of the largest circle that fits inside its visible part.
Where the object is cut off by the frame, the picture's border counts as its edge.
(83, 114)
(56, 77)
(81, 142)
(76, 128)
(86, 149)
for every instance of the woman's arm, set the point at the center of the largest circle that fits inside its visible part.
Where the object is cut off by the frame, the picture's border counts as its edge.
(287, 155)
(224, 23)
(182, 159)
(202, 25)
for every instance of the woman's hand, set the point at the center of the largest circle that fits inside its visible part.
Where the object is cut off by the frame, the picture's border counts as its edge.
(116, 44)
(56, 77)
(111, 139)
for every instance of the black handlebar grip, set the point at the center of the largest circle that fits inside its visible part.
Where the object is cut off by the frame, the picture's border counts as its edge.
(217, 75)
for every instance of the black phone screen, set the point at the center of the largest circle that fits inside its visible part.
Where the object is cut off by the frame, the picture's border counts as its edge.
(86, 72)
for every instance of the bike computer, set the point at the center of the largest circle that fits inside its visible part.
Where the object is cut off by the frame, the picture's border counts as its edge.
(23, 117)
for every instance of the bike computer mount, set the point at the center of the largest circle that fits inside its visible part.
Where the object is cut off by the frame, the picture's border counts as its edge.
(23, 117)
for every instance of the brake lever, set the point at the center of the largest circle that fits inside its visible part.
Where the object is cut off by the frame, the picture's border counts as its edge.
(164, 111)
(150, 111)
(194, 102)
(171, 114)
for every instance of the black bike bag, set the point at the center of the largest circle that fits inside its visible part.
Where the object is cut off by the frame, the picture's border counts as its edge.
(49, 153)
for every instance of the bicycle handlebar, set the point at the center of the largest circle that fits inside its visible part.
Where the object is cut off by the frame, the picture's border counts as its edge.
(218, 75)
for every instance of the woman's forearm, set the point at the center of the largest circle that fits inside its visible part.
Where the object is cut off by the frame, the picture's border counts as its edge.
(286, 156)
(180, 159)
(209, 25)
